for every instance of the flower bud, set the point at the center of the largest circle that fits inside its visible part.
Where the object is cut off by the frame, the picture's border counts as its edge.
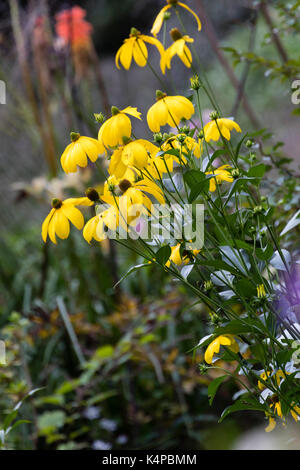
(249, 143)
(258, 209)
(158, 138)
(99, 118)
(214, 115)
(166, 136)
(235, 172)
(203, 368)
(167, 15)
(208, 285)
(195, 82)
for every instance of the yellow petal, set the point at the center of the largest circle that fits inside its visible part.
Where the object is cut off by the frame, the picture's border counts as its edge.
(159, 21)
(62, 226)
(125, 55)
(46, 225)
(132, 111)
(271, 426)
(183, 5)
(74, 215)
(140, 53)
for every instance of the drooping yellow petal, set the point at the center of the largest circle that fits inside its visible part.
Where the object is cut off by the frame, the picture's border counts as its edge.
(157, 116)
(62, 226)
(132, 111)
(134, 154)
(155, 43)
(74, 215)
(114, 129)
(271, 426)
(90, 229)
(159, 21)
(126, 51)
(183, 5)
(77, 152)
(186, 56)
(140, 52)
(46, 225)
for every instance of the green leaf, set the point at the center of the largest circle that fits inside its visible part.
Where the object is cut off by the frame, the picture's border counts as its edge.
(266, 253)
(163, 254)
(236, 327)
(50, 421)
(213, 388)
(257, 171)
(130, 271)
(244, 403)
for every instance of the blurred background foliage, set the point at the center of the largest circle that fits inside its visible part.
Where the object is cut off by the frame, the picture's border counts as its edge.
(112, 365)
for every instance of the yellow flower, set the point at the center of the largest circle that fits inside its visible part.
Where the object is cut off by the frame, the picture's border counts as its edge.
(168, 110)
(295, 412)
(135, 155)
(261, 292)
(135, 47)
(276, 406)
(160, 17)
(214, 347)
(180, 48)
(184, 144)
(221, 174)
(279, 376)
(213, 128)
(117, 127)
(78, 152)
(57, 221)
(95, 227)
(176, 257)
(133, 200)
(264, 377)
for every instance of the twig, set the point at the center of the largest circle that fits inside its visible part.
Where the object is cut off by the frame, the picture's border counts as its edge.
(253, 24)
(277, 41)
(212, 37)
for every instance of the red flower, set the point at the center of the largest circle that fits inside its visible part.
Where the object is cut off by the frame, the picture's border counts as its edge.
(72, 27)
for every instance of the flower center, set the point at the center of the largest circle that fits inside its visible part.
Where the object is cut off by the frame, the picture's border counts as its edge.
(92, 194)
(160, 95)
(114, 111)
(56, 203)
(124, 185)
(134, 32)
(74, 136)
(175, 34)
